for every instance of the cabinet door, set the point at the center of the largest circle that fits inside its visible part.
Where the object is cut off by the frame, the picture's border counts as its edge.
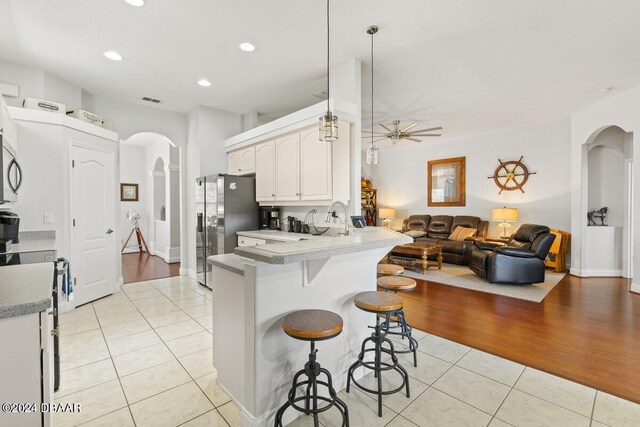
(266, 172)
(315, 166)
(234, 163)
(288, 168)
(248, 160)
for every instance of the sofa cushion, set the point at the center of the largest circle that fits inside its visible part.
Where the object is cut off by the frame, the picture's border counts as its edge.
(414, 234)
(452, 247)
(416, 222)
(529, 232)
(461, 233)
(440, 226)
(465, 221)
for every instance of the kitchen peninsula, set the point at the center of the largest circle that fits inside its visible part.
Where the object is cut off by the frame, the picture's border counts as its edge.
(257, 286)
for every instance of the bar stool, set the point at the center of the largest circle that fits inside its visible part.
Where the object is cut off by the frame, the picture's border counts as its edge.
(379, 303)
(312, 325)
(397, 284)
(390, 269)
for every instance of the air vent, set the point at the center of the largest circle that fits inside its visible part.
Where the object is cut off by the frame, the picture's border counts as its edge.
(321, 94)
(155, 101)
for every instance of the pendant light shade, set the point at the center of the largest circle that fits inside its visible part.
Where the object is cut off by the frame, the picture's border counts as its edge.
(372, 151)
(328, 131)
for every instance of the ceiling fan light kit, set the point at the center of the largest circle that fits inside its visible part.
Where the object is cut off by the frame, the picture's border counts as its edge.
(328, 131)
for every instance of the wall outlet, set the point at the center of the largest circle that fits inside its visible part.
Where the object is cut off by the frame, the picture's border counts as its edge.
(48, 217)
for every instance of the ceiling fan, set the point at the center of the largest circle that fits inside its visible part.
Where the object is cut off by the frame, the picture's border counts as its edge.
(395, 133)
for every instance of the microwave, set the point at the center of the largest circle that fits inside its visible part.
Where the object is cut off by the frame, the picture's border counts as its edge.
(11, 173)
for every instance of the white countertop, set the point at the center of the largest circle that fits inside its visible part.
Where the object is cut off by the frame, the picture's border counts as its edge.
(32, 246)
(282, 236)
(25, 289)
(230, 262)
(324, 246)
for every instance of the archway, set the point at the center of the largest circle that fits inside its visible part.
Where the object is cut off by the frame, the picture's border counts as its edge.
(151, 161)
(607, 176)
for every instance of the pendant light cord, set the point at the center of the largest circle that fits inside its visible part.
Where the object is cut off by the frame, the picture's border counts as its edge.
(328, 47)
(372, 89)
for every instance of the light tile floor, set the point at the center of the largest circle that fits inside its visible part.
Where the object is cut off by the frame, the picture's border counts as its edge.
(143, 357)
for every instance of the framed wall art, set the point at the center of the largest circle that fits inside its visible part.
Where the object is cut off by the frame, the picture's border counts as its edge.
(446, 182)
(129, 192)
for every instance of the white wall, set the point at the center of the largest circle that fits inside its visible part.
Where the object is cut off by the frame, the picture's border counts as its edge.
(401, 175)
(131, 159)
(618, 110)
(206, 155)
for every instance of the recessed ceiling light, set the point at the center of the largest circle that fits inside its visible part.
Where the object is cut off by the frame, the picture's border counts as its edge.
(247, 47)
(204, 82)
(136, 3)
(114, 56)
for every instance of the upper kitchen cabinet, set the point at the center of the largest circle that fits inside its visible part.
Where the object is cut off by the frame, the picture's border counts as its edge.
(8, 128)
(266, 172)
(316, 181)
(242, 161)
(287, 168)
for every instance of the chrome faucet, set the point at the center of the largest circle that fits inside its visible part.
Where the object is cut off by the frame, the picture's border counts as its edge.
(331, 213)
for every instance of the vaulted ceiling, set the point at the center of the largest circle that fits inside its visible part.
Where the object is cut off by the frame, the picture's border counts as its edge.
(467, 65)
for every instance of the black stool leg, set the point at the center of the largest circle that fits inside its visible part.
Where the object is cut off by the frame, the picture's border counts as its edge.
(405, 331)
(312, 370)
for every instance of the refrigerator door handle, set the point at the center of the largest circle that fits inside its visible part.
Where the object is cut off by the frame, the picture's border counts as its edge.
(199, 224)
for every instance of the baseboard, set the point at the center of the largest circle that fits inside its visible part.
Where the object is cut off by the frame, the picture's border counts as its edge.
(171, 255)
(595, 273)
(635, 288)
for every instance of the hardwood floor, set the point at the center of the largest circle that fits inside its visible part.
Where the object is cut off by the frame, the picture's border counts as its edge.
(585, 330)
(137, 267)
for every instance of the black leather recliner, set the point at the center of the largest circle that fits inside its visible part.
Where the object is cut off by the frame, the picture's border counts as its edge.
(520, 261)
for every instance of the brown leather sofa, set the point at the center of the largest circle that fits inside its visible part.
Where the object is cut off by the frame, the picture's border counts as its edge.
(437, 229)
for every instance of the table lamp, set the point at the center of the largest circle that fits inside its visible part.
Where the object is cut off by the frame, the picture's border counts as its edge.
(506, 215)
(387, 214)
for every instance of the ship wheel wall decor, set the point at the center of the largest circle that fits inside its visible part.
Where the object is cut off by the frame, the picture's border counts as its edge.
(511, 175)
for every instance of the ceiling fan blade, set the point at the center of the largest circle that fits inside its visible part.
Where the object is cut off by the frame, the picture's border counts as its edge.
(378, 133)
(413, 139)
(376, 140)
(427, 130)
(426, 134)
(385, 127)
(410, 127)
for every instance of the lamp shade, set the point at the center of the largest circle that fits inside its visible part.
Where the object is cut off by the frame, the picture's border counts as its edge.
(504, 214)
(387, 213)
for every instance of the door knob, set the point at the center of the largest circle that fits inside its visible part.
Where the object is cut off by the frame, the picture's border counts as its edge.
(109, 231)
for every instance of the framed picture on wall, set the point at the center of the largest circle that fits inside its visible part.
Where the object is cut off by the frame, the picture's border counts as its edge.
(129, 192)
(446, 182)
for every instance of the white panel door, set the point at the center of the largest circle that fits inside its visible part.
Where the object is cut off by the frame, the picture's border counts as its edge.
(288, 168)
(93, 198)
(248, 160)
(266, 172)
(315, 166)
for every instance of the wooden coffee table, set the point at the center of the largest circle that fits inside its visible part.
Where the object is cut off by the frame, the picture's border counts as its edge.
(414, 255)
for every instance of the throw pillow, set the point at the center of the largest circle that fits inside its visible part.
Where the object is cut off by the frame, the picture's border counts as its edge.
(415, 233)
(461, 233)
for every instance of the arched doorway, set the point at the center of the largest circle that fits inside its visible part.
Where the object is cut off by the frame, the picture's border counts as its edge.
(150, 161)
(607, 177)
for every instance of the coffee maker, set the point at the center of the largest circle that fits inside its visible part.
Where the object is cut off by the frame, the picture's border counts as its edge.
(9, 226)
(269, 218)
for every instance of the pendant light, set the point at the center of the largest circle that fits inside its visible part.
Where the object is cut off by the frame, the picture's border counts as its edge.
(328, 122)
(372, 151)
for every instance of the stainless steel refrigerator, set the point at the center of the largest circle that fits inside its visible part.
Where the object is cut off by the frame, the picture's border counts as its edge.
(225, 204)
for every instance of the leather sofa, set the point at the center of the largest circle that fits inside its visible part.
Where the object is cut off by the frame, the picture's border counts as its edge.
(436, 229)
(519, 261)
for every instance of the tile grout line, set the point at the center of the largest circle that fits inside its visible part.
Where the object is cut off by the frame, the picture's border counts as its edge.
(507, 396)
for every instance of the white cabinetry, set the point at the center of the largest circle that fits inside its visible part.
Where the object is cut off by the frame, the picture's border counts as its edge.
(288, 168)
(26, 367)
(250, 241)
(315, 167)
(8, 127)
(266, 171)
(242, 162)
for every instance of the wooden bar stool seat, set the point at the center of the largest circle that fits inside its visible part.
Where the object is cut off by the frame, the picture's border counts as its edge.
(390, 269)
(378, 302)
(397, 283)
(312, 325)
